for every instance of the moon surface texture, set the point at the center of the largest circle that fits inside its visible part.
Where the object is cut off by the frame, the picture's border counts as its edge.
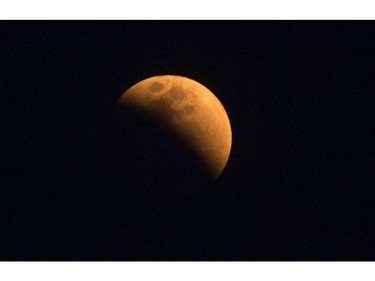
(190, 112)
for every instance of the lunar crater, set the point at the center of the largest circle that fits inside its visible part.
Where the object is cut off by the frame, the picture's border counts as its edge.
(156, 87)
(189, 108)
(176, 94)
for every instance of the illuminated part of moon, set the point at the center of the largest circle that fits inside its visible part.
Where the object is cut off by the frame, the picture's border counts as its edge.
(188, 109)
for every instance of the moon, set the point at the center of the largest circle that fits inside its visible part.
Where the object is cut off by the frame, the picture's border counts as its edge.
(187, 110)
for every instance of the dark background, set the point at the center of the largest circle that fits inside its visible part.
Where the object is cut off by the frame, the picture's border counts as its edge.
(299, 181)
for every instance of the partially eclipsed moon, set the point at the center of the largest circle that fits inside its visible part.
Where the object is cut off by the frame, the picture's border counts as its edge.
(189, 110)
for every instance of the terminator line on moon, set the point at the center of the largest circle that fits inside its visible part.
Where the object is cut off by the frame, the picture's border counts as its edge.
(189, 110)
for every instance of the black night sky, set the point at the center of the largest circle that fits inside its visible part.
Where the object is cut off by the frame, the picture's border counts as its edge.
(299, 184)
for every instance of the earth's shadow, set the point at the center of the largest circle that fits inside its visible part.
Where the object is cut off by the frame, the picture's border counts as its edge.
(148, 157)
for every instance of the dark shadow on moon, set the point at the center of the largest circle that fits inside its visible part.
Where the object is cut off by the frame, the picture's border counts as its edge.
(150, 156)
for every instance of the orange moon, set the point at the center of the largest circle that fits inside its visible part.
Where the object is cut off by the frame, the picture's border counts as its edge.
(189, 110)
